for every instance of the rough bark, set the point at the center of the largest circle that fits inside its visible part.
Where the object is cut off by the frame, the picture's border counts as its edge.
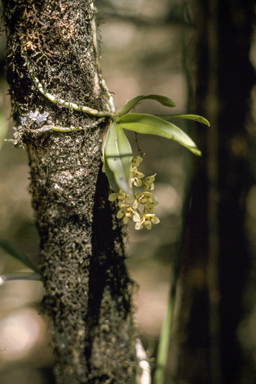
(87, 288)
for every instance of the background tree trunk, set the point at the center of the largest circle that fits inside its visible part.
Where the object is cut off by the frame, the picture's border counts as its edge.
(87, 289)
(215, 259)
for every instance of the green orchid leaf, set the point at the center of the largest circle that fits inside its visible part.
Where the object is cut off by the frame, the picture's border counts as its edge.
(104, 142)
(133, 102)
(17, 254)
(117, 156)
(111, 177)
(197, 118)
(153, 125)
(109, 173)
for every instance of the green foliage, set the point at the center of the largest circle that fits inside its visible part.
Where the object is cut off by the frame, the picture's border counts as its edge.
(136, 100)
(17, 254)
(197, 118)
(152, 125)
(117, 151)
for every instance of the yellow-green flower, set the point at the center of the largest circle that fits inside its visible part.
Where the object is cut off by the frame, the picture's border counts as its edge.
(148, 182)
(150, 206)
(146, 198)
(136, 160)
(130, 206)
(121, 196)
(120, 214)
(113, 196)
(126, 212)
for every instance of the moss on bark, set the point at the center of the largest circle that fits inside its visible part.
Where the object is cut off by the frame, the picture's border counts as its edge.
(87, 288)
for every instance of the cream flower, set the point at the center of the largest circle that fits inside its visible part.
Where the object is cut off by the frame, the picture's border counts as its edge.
(147, 219)
(136, 217)
(135, 204)
(135, 179)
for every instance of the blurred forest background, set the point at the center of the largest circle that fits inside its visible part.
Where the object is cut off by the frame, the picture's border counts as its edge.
(201, 54)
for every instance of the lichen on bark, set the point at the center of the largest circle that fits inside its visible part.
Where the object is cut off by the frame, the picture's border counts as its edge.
(82, 261)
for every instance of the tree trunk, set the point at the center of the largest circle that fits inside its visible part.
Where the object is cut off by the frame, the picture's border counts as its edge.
(215, 258)
(87, 288)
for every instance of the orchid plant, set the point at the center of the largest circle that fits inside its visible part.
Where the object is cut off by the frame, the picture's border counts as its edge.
(121, 167)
